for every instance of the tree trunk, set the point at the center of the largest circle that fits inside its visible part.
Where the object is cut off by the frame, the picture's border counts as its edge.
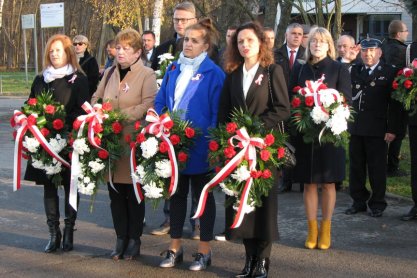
(156, 19)
(319, 13)
(286, 6)
(337, 27)
(270, 13)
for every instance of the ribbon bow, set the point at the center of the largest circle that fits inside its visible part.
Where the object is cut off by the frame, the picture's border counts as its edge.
(95, 115)
(24, 123)
(159, 127)
(248, 147)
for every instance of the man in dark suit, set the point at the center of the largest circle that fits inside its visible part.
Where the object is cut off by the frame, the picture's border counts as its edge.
(148, 38)
(393, 53)
(286, 57)
(412, 135)
(184, 16)
(374, 126)
(347, 51)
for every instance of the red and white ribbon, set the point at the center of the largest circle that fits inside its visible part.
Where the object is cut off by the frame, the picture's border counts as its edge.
(159, 126)
(248, 152)
(22, 125)
(95, 115)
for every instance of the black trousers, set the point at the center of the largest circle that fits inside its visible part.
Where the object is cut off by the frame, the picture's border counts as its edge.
(50, 191)
(412, 133)
(368, 154)
(394, 147)
(258, 248)
(127, 214)
(178, 206)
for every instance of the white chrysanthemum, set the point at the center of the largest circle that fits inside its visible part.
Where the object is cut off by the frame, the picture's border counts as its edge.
(241, 174)
(226, 190)
(141, 171)
(86, 180)
(318, 115)
(136, 177)
(96, 166)
(163, 168)
(86, 189)
(329, 96)
(342, 111)
(152, 191)
(165, 56)
(57, 143)
(37, 164)
(337, 124)
(80, 146)
(149, 147)
(53, 168)
(31, 144)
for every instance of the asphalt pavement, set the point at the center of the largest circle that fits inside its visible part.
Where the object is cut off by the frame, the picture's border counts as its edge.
(362, 246)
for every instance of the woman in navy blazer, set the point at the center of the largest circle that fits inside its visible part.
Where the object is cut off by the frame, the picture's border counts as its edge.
(193, 85)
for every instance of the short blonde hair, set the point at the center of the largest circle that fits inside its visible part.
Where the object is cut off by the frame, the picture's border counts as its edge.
(324, 34)
(130, 37)
(81, 38)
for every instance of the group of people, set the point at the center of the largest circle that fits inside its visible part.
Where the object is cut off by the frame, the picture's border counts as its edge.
(129, 83)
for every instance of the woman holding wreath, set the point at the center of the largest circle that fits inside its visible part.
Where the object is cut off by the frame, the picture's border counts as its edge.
(256, 85)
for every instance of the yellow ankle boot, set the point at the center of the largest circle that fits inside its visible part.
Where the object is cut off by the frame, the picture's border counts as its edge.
(311, 241)
(325, 239)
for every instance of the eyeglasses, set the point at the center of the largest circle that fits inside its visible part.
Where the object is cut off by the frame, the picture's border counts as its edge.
(77, 43)
(182, 20)
(404, 31)
(316, 41)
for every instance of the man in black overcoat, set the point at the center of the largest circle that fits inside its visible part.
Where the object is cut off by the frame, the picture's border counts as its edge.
(412, 135)
(393, 53)
(375, 118)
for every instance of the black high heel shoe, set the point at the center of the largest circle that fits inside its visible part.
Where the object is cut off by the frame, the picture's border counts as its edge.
(132, 249)
(247, 270)
(119, 250)
(261, 268)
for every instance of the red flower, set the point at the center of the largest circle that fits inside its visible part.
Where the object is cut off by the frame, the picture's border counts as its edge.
(71, 141)
(137, 125)
(140, 138)
(76, 124)
(255, 174)
(44, 131)
(213, 146)
(266, 174)
(189, 132)
(98, 128)
(49, 109)
(58, 124)
(400, 72)
(296, 89)
(322, 86)
(295, 102)
(309, 101)
(395, 85)
(128, 138)
(97, 140)
(231, 127)
(182, 157)
(229, 152)
(32, 101)
(103, 154)
(269, 139)
(408, 73)
(163, 147)
(175, 139)
(117, 127)
(408, 84)
(132, 145)
(265, 154)
(169, 124)
(107, 106)
(281, 152)
(31, 120)
(217, 169)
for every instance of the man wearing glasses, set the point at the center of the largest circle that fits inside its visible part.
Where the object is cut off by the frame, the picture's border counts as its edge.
(393, 53)
(184, 16)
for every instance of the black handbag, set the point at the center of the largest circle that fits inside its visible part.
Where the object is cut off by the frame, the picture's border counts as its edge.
(290, 161)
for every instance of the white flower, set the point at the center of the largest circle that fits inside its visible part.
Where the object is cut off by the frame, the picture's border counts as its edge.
(53, 169)
(318, 115)
(57, 143)
(86, 180)
(37, 164)
(96, 166)
(342, 111)
(241, 174)
(149, 147)
(337, 124)
(165, 56)
(141, 171)
(152, 191)
(226, 190)
(80, 146)
(329, 96)
(31, 144)
(163, 168)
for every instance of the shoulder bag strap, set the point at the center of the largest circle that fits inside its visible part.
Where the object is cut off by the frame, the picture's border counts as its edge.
(111, 70)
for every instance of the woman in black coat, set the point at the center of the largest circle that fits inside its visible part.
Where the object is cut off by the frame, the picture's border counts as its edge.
(247, 58)
(63, 77)
(320, 163)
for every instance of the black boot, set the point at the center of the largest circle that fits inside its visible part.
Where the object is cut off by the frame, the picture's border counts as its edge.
(261, 268)
(70, 217)
(52, 216)
(132, 249)
(248, 268)
(119, 249)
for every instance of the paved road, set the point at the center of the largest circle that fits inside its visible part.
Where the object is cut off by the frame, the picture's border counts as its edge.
(362, 246)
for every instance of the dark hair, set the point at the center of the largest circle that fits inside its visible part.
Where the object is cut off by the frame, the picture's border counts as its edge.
(268, 29)
(149, 32)
(210, 34)
(232, 27)
(111, 43)
(233, 59)
(395, 27)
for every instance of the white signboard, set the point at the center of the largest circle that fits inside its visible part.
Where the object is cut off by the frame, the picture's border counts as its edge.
(52, 15)
(28, 21)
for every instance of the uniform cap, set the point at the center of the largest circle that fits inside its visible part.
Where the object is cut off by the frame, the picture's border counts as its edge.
(370, 43)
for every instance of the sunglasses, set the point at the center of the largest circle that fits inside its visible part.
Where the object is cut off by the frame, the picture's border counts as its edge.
(77, 43)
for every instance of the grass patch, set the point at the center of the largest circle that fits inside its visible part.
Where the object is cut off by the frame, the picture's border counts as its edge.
(14, 83)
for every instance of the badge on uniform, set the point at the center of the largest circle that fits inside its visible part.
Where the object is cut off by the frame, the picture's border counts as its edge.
(372, 84)
(357, 86)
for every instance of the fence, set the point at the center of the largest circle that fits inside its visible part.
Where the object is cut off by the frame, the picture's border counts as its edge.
(15, 83)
